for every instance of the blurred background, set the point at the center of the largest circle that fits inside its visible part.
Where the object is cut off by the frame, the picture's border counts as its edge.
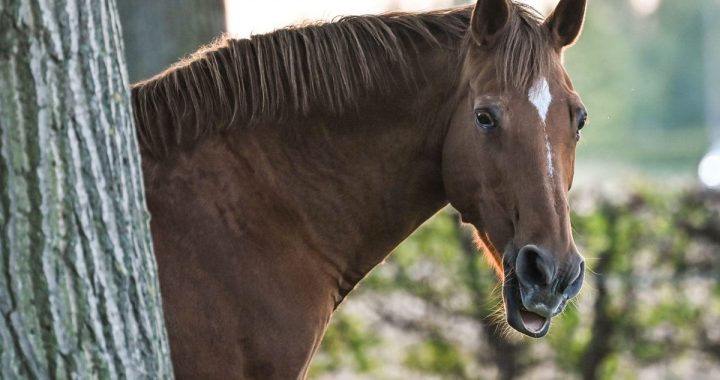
(646, 206)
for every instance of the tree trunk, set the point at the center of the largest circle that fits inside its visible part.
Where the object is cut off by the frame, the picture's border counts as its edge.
(79, 296)
(158, 33)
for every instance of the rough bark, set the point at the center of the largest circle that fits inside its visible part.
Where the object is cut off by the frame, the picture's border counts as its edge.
(158, 33)
(79, 296)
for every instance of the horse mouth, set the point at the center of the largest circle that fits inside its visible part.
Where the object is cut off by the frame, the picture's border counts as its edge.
(534, 323)
(518, 317)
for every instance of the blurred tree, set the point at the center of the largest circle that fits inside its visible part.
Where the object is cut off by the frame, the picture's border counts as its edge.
(645, 262)
(78, 286)
(651, 301)
(158, 33)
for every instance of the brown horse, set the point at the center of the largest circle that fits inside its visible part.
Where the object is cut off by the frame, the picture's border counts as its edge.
(281, 169)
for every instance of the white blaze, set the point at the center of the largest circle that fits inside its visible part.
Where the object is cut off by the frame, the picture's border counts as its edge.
(541, 98)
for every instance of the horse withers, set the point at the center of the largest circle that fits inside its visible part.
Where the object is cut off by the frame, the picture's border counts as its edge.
(280, 169)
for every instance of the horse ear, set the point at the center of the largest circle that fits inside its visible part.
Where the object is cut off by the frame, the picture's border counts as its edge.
(489, 18)
(566, 22)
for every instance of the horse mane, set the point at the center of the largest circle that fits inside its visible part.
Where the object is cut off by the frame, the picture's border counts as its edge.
(312, 69)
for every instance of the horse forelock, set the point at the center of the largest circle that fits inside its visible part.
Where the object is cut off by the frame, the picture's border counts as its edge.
(522, 53)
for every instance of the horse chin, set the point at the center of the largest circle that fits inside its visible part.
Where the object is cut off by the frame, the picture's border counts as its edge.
(518, 317)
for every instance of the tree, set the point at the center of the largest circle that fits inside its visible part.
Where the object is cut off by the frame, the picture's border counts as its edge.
(158, 33)
(79, 296)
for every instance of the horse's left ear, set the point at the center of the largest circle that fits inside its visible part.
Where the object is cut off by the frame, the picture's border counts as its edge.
(488, 20)
(566, 21)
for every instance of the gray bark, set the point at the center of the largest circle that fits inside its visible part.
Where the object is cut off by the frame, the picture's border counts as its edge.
(158, 33)
(79, 296)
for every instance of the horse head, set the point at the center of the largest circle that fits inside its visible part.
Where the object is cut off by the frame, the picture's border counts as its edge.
(508, 156)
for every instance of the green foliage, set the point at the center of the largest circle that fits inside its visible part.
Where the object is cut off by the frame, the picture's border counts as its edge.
(346, 346)
(437, 356)
(649, 299)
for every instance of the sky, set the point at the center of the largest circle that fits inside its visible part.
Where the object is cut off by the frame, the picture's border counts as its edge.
(251, 16)
(245, 17)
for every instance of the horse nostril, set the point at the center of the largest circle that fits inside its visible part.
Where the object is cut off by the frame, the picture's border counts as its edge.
(534, 266)
(574, 287)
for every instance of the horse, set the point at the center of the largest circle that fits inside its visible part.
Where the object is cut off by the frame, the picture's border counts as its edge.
(280, 169)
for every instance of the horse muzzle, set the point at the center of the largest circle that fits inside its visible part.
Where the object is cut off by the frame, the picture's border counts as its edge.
(537, 287)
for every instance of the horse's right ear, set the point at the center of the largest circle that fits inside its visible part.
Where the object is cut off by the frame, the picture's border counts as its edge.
(488, 20)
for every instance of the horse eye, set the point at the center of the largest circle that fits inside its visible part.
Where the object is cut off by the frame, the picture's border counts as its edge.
(582, 122)
(484, 120)
(581, 125)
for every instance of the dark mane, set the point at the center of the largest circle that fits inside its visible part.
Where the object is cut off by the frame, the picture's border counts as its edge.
(324, 68)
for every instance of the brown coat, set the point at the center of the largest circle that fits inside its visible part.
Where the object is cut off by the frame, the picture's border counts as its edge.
(281, 169)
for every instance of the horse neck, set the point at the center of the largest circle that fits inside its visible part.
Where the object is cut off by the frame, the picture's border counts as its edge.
(362, 193)
(343, 190)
